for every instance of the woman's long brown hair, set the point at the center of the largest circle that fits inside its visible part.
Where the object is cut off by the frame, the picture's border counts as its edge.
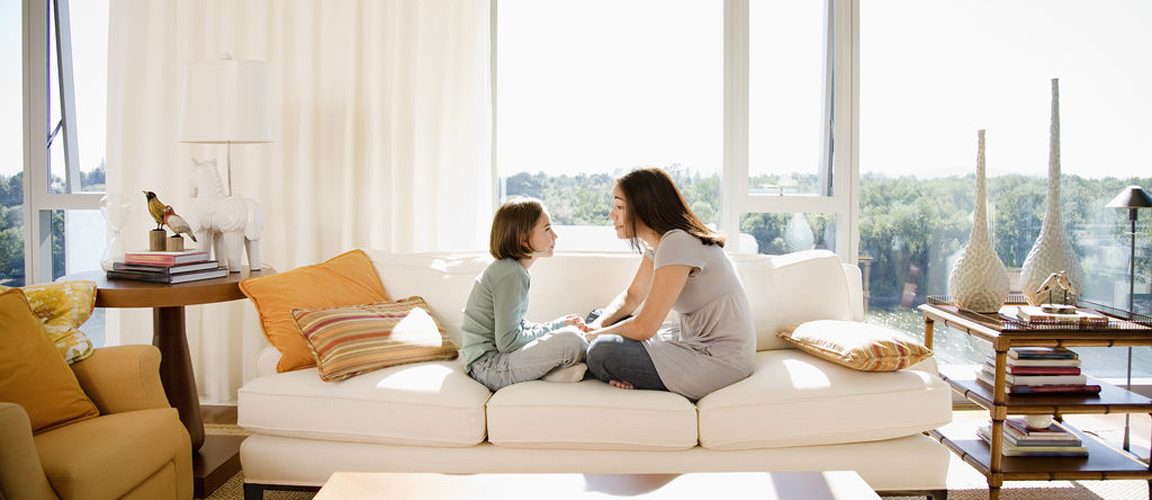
(653, 198)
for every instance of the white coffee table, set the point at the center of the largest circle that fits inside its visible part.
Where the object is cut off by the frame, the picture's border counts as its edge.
(835, 485)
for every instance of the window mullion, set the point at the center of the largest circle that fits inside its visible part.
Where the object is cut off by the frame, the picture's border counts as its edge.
(67, 88)
(734, 178)
(36, 130)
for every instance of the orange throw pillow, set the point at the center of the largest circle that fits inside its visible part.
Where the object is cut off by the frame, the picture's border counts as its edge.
(32, 372)
(344, 280)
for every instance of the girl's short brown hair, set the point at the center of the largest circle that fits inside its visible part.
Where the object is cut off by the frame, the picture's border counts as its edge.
(512, 227)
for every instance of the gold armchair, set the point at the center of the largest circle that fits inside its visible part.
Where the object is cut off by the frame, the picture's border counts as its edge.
(136, 448)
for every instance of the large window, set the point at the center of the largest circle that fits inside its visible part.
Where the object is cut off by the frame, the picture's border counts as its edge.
(52, 140)
(931, 75)
(52, 160)
(733, 97)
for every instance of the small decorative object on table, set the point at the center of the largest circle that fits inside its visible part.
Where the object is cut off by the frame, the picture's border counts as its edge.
(115, 209)
(978, 282)
(1056, 280)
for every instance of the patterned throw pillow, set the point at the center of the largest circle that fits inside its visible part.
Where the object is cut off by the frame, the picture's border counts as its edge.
(344, 280)
(860, 346)
(348, 341)
(63, 306)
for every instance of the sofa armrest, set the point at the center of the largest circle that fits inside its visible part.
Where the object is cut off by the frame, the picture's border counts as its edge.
(123, 378)
(21, 475)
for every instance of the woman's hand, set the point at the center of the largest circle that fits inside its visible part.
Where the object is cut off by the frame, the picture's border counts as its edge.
(576, 321)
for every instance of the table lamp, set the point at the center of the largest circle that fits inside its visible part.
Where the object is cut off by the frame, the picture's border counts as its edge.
(1132, 198)
(226, 102)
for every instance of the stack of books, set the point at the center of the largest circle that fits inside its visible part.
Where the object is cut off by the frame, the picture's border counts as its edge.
(167, 267)
(1020, 441)
(1040, 370)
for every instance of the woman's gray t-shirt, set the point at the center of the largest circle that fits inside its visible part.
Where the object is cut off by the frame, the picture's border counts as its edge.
(714, 342)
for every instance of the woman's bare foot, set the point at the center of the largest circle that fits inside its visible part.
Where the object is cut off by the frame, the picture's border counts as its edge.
(619, 384)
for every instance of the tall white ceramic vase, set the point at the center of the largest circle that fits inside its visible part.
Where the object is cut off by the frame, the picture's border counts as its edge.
(1052, 251)
(978, 281)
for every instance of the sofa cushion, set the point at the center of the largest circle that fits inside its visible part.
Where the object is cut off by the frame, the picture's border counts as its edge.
(348, 341)
(32, 372)
(589, 415)
(107, 457)
(857, 345)
(421, 404)
(344, 280)
(792, 288)
(795, 399)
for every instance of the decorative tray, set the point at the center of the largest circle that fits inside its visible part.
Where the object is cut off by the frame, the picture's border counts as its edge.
(1006, 320)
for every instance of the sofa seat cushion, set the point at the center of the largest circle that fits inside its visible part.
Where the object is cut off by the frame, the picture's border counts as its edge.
(119, 452)
(589, 415)
(796, 399)
(421, 404)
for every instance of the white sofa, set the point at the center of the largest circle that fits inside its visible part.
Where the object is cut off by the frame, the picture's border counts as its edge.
(795, 413)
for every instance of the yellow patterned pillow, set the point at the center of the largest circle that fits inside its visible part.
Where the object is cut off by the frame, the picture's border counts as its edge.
(348, 341)
(860, 346)
(62, 307)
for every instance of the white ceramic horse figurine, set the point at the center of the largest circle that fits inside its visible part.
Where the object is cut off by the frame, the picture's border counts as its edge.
(223, 223)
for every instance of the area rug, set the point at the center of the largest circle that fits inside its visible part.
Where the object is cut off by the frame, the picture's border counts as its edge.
(964, 483)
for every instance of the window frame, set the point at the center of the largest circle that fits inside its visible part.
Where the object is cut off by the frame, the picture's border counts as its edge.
(841, 123)
(39, 202)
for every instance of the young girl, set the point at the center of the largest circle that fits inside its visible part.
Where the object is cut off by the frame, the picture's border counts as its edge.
(500, 347)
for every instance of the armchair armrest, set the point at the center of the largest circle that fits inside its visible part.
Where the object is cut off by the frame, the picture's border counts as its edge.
(123, 378)
(21, 475)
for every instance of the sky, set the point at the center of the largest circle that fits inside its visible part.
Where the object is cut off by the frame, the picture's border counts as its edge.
(932, 73)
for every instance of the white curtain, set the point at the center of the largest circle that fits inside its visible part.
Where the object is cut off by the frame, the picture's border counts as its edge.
(382, 129)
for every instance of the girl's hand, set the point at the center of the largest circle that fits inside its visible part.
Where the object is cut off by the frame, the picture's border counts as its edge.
(576, 321)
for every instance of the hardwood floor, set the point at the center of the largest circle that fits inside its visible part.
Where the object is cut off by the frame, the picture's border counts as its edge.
(222, 414)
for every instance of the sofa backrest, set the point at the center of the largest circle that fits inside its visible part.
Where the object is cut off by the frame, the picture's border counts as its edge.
(782, 289)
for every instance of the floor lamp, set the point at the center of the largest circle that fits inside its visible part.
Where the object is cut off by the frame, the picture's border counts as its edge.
(227, 102)
(1132, 198)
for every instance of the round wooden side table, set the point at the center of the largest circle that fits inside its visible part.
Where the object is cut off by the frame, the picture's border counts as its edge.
(168, 334)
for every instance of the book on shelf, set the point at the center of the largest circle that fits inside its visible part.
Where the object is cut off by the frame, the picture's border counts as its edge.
(1056, 431)
(1049, 363)
(170, 279)
(162, 258)
(1043, 370)
(173, 269)
(1035, 314)
(1042, 353)
(1012, 450)
(988, 379)
(1036, 379)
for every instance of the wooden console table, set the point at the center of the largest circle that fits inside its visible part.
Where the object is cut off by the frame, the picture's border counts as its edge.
(215, 458)
(1103, 461)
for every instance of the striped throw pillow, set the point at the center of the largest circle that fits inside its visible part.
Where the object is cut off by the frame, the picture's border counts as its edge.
(860, 346)
(350, 340)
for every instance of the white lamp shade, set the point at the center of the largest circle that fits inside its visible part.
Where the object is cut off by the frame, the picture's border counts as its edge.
(225, 101)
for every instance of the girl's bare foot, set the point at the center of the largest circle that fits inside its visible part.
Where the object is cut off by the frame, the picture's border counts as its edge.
(620, 384)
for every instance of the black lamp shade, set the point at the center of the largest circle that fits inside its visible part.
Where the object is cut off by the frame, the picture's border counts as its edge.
(1131, 197)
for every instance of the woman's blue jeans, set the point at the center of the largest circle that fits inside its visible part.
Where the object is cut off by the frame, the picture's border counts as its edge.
(612, 357)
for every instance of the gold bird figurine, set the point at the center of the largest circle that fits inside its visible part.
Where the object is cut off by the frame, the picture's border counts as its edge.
(177, 223)
(155, 208)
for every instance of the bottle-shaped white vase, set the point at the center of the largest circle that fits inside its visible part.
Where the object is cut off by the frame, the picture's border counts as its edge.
(978, 281)
(1052, 251)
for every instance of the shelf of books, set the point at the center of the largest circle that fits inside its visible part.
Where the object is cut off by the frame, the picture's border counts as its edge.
(1090, 460)
(167, 267)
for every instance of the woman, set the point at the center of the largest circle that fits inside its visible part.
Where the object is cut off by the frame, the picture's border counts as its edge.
(684, 269)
